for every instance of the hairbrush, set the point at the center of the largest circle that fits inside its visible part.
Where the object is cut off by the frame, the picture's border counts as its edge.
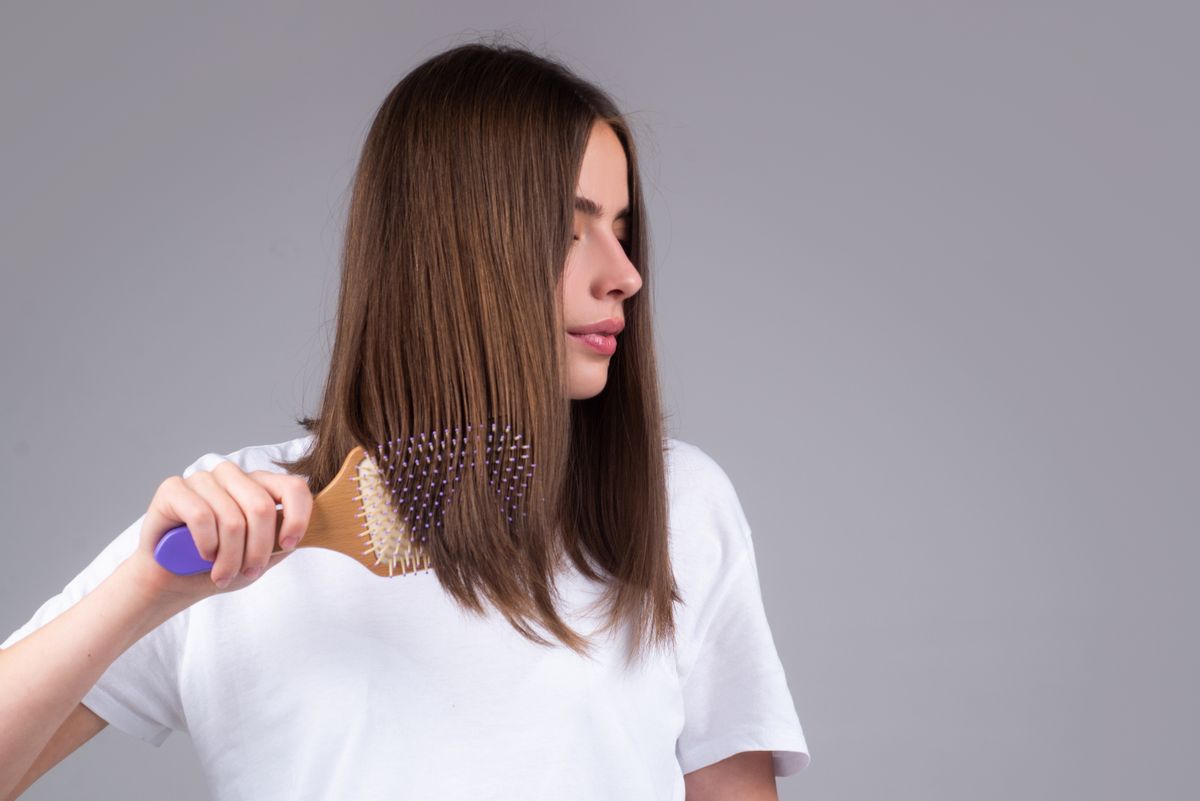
(356, 515)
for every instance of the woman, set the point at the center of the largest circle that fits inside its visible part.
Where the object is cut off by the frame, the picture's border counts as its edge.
(497, 210)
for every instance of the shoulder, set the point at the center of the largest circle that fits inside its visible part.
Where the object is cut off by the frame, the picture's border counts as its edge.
(690, 469)
(255, 457)
(697, 485)
(708, 528)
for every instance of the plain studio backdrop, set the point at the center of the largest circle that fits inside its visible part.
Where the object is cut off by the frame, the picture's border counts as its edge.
(926, 287)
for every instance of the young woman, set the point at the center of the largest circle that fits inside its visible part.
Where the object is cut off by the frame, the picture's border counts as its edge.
(609, 642)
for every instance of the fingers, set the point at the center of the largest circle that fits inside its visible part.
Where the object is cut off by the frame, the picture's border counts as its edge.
(226, 549)
(292, 491)
(176, 502)
(233, 518)
(257, 506)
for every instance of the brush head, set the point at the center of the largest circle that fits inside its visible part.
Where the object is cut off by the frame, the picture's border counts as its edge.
(381, 509)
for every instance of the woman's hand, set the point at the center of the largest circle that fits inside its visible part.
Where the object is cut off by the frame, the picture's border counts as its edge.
(233, 519)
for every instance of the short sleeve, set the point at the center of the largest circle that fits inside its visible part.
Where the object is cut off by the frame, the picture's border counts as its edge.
(735, 692)
(139, 692)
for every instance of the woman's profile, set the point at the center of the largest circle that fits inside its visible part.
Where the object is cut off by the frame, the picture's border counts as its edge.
(611, 644)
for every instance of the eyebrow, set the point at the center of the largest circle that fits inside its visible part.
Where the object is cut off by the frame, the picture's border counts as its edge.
(594, 209)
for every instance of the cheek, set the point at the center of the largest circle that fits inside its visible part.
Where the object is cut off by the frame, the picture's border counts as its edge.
(569, 294)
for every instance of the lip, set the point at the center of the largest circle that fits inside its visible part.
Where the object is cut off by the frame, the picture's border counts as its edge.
(604, 344)
(612, 325)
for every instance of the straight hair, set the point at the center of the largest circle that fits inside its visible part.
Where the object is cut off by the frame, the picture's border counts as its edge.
(450, 314)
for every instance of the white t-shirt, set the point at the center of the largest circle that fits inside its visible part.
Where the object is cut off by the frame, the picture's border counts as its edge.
(324, 681)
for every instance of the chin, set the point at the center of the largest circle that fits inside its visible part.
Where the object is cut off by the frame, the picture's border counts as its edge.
(581, 390)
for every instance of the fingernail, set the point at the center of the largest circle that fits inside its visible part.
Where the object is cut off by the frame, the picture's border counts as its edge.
(288, 544)
(251, 572)
(223, 583)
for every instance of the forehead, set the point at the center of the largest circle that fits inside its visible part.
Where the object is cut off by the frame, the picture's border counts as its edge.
(602, 176)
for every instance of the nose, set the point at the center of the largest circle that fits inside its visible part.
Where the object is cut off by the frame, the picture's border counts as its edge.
(622, 275)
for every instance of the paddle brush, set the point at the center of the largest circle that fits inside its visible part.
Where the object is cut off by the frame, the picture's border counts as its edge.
(355, 514)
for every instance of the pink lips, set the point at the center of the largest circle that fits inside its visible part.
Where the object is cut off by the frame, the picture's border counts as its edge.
(605, 344)
(600, 336)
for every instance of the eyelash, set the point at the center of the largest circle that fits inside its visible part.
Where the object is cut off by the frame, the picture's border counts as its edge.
(625, 243)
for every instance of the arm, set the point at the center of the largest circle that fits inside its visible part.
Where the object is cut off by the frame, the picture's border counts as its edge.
(746, 776)
(80, 726)
(44, 676)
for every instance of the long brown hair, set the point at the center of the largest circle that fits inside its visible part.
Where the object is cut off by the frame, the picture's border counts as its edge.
(449, 314)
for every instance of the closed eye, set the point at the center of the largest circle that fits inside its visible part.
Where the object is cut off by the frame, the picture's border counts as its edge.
(626, 245)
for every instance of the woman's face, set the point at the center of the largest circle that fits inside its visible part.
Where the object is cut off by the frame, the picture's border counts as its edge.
(598, 276)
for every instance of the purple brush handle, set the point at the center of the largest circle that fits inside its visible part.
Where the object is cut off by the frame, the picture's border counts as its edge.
(176, 551)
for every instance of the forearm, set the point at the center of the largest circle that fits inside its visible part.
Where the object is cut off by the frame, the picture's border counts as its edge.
(44, 676)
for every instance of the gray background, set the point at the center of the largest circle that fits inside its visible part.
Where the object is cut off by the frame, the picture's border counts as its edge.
(926, 285)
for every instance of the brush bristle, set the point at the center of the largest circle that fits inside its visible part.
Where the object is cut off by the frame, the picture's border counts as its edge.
(398, 537)
(384, 531)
